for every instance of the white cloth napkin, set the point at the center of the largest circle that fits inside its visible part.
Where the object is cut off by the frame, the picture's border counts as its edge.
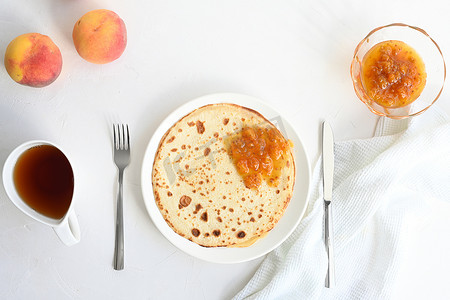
(391, 215)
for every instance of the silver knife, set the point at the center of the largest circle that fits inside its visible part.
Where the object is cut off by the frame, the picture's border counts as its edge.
(328, 172)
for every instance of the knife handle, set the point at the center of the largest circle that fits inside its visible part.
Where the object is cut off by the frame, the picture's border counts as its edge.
(329, 281)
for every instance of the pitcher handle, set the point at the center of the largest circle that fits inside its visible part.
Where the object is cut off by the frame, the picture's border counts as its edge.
(69, 230)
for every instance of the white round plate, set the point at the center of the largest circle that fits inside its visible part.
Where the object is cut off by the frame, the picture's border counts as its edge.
(282, 229)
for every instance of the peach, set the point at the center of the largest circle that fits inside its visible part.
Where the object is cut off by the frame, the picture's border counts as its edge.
(100, 36)
(33, 59)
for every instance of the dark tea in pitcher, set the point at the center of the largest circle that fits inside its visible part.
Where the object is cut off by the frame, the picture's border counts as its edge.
(43, 178)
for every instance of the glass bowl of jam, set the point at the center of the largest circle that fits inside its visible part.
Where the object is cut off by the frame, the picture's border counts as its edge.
(398, 71)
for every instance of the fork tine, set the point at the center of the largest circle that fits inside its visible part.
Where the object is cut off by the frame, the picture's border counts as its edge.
(121, 138)
(118, 136)
(128, 139)
(114, 134)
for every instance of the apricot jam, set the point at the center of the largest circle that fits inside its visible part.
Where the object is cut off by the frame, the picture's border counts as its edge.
(258, 154)
(393, 74)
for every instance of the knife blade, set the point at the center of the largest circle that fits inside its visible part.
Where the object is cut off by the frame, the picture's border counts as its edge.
(328, 173)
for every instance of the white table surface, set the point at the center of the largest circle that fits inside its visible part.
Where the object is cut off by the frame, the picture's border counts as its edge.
(294, 55)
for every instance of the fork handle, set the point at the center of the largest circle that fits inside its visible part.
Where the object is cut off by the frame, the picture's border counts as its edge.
(119, 244)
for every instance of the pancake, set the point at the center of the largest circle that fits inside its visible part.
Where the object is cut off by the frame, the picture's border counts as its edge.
(198, 189)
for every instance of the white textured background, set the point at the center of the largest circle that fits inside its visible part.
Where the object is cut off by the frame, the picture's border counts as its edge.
(295, 55)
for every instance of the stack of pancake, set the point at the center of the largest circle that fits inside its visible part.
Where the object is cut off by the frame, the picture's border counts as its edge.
(198, 189)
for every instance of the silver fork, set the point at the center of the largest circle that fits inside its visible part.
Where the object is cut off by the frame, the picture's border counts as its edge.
(121, 159)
